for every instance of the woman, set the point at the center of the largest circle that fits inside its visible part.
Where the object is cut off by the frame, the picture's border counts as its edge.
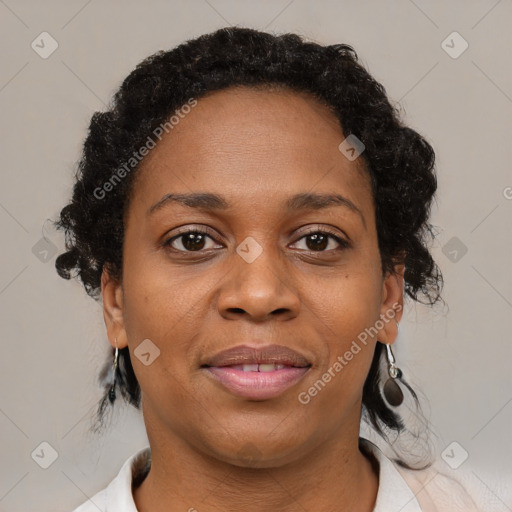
(251, 212)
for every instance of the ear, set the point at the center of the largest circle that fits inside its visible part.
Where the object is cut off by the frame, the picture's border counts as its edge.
(112, 294)
(392, 304)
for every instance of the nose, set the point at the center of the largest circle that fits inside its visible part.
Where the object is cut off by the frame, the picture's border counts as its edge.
(260, 290)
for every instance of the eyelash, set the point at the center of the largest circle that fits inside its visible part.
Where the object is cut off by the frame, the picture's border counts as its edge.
(344, 244)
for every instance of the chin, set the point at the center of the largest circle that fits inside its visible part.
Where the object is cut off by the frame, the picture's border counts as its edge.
(258, 452)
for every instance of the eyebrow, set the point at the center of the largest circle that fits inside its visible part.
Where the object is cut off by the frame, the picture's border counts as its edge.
(213, 202)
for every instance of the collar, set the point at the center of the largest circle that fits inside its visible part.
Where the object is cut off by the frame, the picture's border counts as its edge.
(393, 492)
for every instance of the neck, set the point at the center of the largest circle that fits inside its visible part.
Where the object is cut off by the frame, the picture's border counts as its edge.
(335, 475)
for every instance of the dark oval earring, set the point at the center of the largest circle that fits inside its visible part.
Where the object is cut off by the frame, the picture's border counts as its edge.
(112, 391)
(392, 392)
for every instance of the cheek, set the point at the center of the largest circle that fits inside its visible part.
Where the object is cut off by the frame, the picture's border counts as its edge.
(158, 311)
(159, 301)
(337, 383)
(346, 302)
(345, 310)
(166, 308)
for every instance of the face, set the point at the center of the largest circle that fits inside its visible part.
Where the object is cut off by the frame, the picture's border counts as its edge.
(267, 262)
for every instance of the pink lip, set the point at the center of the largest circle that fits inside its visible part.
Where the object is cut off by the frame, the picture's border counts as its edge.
(225, 367)
(257, 385)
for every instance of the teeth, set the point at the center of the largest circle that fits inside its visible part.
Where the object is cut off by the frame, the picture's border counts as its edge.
(259, 367)
(267, 367)
(250, 367)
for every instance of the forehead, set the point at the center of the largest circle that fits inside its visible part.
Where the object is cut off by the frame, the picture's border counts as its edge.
(255, 142)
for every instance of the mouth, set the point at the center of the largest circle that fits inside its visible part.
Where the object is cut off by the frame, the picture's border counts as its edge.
(257, 373)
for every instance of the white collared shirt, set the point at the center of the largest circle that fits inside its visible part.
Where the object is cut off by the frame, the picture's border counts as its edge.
(399, 490)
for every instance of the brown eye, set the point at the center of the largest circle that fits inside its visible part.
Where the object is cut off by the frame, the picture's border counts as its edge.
(319, 241)
(189, 241)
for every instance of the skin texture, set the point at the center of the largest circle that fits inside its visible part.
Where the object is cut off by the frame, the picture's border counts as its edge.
(213, 450)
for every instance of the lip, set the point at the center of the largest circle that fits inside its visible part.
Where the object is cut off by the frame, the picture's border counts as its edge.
(267, 354)
(225, 368)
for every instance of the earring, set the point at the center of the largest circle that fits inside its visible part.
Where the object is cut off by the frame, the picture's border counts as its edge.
(392, 392)
(112, 391)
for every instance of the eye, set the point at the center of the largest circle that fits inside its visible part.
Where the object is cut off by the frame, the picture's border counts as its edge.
(318, 240)
(195, 240)
(192, 240)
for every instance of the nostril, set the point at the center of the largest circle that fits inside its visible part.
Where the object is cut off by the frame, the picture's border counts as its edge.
(236, 310)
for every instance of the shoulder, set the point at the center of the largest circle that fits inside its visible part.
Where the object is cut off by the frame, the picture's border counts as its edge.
(97, 502)
(117, 496)
(425, 490)
(437, 491)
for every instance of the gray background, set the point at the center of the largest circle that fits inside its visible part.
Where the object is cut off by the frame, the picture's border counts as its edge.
(53, 338)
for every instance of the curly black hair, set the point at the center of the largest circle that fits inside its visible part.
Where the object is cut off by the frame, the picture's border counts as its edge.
(399, 161)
